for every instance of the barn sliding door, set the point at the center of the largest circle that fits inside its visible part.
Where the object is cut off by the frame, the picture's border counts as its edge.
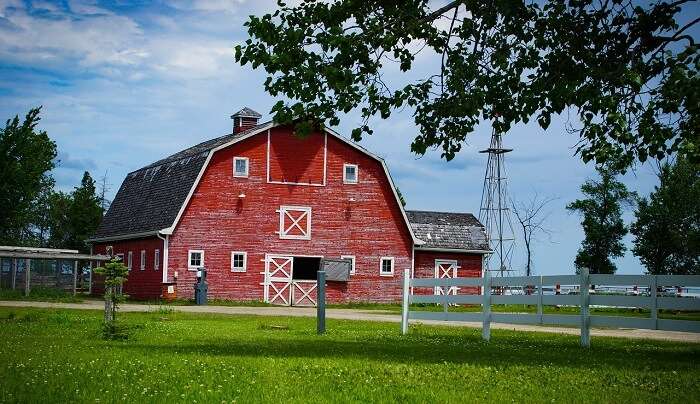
(445, 269)
(278, 279)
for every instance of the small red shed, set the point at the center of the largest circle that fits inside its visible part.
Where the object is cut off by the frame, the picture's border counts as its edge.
(260, 207)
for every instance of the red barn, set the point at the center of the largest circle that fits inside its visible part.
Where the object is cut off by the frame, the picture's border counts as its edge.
(259, 209)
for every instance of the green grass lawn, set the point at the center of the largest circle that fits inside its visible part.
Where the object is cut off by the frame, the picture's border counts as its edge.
(59, 356)
(40, 293)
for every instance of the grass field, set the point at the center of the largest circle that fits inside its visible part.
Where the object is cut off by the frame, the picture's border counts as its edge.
(39, 293)
(59, 356)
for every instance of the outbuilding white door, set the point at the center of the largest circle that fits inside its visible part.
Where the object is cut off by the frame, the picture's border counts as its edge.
(278, 279)
(445, 269)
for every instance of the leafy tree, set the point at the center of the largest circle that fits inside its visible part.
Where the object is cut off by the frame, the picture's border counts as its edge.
(59, 220)
(115, 274)
(667, 225)
(26, 157)
(602, 222)
(74, 217)
(629, 71)
(41, 212)
(85, 212)
(400, 195)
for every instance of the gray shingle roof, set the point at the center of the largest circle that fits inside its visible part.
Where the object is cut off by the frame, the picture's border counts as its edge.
(150, 198)
(247, 113)
(448, 230)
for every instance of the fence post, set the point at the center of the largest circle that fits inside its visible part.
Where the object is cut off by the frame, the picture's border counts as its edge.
(540, 310)
(585, 314)
(14, 273)
(404, 301)
(75, 277)
(653, 289)
(321, 303)
(27, 276)
(486, 309)
(445, 292)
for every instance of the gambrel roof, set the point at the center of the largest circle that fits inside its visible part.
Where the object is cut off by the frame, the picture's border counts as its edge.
(448, 231)
(150, 198)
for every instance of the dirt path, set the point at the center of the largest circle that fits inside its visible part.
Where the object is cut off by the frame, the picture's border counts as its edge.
(364, 315)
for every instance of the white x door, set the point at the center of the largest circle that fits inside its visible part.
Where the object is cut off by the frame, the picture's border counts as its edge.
(445, 269)
(278, 279)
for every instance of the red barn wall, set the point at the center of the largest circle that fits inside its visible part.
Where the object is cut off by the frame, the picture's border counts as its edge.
(140, 284)
(218, 222)
(469, 265)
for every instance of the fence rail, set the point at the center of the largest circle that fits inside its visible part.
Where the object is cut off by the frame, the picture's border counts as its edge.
(648, 298)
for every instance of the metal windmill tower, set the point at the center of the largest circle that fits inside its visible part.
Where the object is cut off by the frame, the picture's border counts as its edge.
(495, 212)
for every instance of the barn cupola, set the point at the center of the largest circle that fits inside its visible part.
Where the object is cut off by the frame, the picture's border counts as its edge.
(244, 119)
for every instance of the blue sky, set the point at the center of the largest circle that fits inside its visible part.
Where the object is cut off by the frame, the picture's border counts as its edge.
(123, 84)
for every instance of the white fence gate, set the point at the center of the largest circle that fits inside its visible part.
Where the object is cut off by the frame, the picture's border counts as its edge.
(652, 300)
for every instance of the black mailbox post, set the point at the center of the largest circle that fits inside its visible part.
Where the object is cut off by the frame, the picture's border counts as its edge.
(200, 288)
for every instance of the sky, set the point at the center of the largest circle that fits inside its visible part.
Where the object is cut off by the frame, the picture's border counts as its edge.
(123, 84)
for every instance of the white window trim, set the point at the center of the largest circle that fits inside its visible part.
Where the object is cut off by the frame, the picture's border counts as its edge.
(189, 256)
(352, 257)
(247, 167)
(381, 261)
(130, 260)
(283, 232)
(142, 264)
(120, 256)
(245, 261)
(156, 259)
(357, 174)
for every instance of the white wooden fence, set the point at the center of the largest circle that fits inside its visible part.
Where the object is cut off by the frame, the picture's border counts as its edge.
(537, 284)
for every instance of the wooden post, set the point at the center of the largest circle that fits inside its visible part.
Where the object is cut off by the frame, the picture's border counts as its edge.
(540, 308)
(486, 309)
(27, 276)
(90, 279)
(585, 314)
(75, 277)
(653, 289)
(404, 301)
(445, 292)
(14, 273)
(321, 306)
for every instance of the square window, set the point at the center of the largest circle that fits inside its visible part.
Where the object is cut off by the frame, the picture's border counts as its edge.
(143, 260)
(352, 260)
(386, 266)
(156, 260)
(240, 167)
(350, 173)
(238, 261)
(195, 259)
(120, 257)
(295, 222)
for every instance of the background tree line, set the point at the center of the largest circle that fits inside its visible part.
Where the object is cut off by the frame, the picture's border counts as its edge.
(32, 212)
(666, 226)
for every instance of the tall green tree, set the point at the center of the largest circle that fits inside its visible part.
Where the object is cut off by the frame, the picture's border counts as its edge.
(85, 212)
(628, 70)
(26, 157)
(602, 222)
(667, 225)
(74, 217)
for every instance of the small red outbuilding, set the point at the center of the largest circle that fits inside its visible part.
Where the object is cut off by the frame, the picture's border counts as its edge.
(259, 209)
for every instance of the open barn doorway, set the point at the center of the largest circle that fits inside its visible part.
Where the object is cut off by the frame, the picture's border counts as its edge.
(304, 281)
(305, 268)
(291, 280)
